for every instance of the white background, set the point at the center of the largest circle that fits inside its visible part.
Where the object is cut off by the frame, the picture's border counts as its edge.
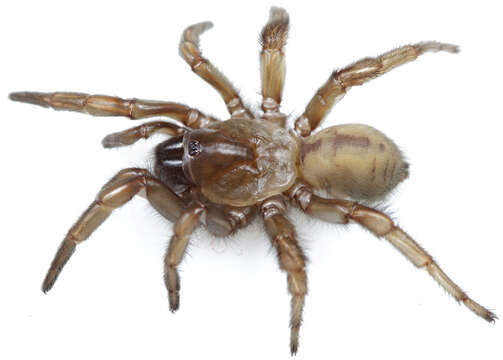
(365, 300)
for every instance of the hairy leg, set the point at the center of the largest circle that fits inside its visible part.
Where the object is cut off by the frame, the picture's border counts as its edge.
(189, 50)
(102, 105)
(184, 226)
(118, 191)
(291, 259)
(357, 74)
(144, 131)
(222, 220)
(272, 64)
(343, 211)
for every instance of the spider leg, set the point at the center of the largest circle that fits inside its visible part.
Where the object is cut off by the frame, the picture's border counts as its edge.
(357, 74)
(219, 220)
(189, 50)
(272, 63)
(144, 131)
(118, 191)
(291, 259)
(223, 221)
(184, 226)
(344, 211)
(101, 105)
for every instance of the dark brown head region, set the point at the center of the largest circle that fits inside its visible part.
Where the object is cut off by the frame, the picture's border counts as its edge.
(210, 155)
(169, 164)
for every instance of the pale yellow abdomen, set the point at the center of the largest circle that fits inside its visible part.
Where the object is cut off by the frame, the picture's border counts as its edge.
(352, 161)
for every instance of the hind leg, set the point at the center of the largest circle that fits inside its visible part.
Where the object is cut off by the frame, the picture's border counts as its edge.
(359, 73)
(343, 212)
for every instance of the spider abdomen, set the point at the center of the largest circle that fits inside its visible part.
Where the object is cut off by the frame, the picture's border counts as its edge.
(352, 161)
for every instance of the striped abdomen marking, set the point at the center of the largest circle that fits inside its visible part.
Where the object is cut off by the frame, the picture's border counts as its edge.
(352, 160)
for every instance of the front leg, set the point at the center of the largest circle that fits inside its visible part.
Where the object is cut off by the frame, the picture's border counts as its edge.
(272, 64)
(117, 192)
(190, 52)
(103, 105)
(291, 259)
(144, 131)
(344, 211)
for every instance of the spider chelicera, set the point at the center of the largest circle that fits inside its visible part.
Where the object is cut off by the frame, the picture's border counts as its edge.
(221, 174)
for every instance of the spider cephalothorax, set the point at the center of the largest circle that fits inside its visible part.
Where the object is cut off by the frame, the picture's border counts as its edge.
(220, 174)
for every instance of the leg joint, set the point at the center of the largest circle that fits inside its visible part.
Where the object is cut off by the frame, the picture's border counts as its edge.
(297, 283)
(375, 221)
(131, 104)
(290, 255)
(427, 263)
(122, 187)
(273, 206)
(198, 62)
(301, 194)
(193, 118)
(71, 238)
(269, 105)
(99, 202)
(303, 126)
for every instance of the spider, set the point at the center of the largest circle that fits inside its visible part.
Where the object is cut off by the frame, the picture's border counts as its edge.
(222, 174)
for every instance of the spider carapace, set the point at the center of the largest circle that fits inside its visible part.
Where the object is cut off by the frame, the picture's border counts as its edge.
(221, 174)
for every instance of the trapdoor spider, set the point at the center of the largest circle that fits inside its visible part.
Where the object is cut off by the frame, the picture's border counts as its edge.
(220, 174)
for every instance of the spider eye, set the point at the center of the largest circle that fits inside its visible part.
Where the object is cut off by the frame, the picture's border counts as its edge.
(194, 148)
